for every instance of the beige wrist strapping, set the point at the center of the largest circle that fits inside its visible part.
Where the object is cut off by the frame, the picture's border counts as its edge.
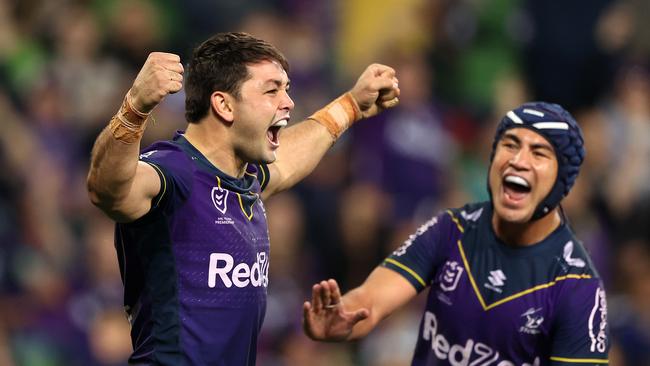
(128, 124)
(339, 115)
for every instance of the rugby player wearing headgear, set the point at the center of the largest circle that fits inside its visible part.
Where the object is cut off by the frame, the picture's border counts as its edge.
(509, 283)
(192, 238)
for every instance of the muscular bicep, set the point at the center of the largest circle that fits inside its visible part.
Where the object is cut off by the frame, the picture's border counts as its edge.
(145, 187)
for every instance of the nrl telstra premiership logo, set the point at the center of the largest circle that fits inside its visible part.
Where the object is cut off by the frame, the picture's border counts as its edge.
(219, 198)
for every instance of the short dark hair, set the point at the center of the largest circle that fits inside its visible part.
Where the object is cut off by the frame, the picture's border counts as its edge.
(220, 63)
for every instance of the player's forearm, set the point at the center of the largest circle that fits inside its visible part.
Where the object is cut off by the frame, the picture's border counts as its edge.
(383, 292)
(114, 158)
(303, 145)
(357, 299)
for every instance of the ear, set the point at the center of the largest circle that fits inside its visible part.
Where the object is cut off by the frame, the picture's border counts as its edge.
(222, 105)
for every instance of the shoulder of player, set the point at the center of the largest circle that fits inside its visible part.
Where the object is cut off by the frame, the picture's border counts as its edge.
(167, 155)
(163, 150)
(171, 162)
(469, 214)
(570, 257)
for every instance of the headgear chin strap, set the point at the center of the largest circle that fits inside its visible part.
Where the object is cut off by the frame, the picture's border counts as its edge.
(558, 127)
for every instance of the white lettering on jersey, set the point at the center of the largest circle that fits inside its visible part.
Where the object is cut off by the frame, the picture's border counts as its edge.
(402, 249)
(598, 324)
(568, 251)
(242, 275)
(471, 353)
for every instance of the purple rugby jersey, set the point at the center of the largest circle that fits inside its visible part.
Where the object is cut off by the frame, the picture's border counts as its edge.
(491, 304)
(195, 268)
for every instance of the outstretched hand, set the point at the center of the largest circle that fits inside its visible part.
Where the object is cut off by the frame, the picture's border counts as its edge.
(325, 318)
(376, 89)
(161, 75)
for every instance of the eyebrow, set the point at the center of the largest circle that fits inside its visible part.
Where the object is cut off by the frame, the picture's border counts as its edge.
(540, 145)
(277, 82)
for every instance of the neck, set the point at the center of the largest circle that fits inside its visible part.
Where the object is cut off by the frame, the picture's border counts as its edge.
(211, 139)
(528, 233)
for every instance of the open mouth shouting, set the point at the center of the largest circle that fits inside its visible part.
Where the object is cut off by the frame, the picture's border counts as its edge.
(515, 189)
(273, 133)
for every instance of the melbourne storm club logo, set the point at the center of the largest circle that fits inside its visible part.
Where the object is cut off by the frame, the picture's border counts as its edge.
(219, 198)
(533, 319)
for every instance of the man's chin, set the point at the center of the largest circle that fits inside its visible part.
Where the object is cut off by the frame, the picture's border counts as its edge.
(268, 158)
(513, 215)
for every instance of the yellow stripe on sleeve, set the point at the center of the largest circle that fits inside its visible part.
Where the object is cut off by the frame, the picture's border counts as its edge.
(580, 360)
(410, 271)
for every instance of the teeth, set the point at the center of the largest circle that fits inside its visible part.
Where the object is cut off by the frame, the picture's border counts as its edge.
(280, 123)
(517, 180)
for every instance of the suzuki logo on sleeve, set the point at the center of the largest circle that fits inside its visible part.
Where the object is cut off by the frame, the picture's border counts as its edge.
(497, 279)
(219, 198)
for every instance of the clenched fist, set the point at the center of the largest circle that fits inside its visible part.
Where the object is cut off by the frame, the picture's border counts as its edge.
(161, 75)
(376, 89)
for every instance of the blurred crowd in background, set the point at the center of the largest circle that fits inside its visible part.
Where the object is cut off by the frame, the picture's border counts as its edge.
(65, 66)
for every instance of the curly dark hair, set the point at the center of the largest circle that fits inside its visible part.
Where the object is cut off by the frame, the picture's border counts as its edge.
(220, 63)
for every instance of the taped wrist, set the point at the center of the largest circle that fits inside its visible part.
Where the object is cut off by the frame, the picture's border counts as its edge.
(339, 115)
(128, 124)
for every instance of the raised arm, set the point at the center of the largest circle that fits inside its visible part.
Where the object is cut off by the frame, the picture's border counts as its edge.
(305, 143)
(330, 317)
(117, 182)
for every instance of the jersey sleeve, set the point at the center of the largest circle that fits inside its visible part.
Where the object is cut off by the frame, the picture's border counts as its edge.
(175, 179)
(580, 331)
(417, 258)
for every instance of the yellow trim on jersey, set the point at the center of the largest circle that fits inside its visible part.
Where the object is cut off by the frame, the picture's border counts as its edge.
(410, 271)
(538, 287)
(263, 177)
(218, 181)
(580, 360)
(256, 175)
(164, 186)
(469, 274)
(513, 296)
(460, 227)
(241, 204)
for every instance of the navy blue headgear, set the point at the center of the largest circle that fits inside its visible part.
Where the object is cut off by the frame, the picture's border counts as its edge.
(562, 131)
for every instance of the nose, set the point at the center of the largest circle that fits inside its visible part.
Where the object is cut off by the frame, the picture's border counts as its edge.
(521, 160)
(287, 103)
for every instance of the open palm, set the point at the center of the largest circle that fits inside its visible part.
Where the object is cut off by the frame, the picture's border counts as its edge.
(325, 317)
